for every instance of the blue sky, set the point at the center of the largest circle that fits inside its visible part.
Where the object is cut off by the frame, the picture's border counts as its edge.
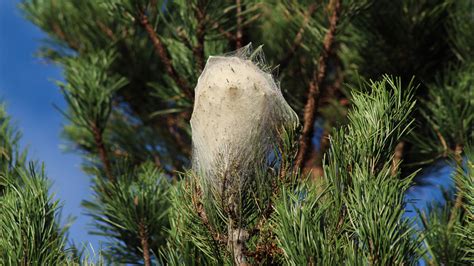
(26, 85)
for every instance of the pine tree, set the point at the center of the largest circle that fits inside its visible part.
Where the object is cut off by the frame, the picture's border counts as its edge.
(29, 226)
(381, 88)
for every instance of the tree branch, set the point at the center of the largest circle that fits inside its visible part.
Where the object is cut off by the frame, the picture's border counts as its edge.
(298, 37)
(172, 123)
(443, 143)
(99, 142)
(237, 239)
(107, 30)
(198, 50)
(226, 34)
(143, 234)
(397, 158)
(458, 201)
(315, 85)
(201, 212)
(60, 34)
(164, 56)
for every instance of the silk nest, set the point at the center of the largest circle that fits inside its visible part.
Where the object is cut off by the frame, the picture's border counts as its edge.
(238, 116)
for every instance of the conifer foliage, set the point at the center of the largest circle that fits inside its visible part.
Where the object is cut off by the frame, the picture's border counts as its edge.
(29, 224)
(304, 158)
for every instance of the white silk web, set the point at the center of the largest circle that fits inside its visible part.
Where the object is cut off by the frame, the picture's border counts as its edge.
(238, 113)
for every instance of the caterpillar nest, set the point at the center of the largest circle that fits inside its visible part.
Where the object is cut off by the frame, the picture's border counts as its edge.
(238, 113)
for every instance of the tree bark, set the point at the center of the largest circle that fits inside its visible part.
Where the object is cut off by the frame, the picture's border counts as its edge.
(237, 239)
(99, 142)
(143, 234)
(315, 86)
(298, 38)
(397, 158)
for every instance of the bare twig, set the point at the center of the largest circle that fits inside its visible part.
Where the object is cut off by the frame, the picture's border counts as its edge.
(164, 56)
(298, 37)
(315, 85)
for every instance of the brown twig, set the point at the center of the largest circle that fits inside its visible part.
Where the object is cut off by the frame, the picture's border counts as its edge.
(164, 56)
(397, 158)
(298, 37)
(443, 142)
(143, 234)
(238, 33)
(99, 142)
(60, 34)
(108, 31)
(315, 85)
(332, 92)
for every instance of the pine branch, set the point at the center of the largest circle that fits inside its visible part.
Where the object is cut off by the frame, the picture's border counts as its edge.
(298, 37)
(164, 56)
(132, 213)
(332, 92)
(443, 143)
(315, 85)
(60, 34)
(217, 239)
(198, 50)
(237, 240)
(106, 30)
(459, 197)
(184, 38)
(99, 142)
(397, 158)
(226, 34)
(201, 212)
(143, 234)
(315, 162)
(172, 124)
